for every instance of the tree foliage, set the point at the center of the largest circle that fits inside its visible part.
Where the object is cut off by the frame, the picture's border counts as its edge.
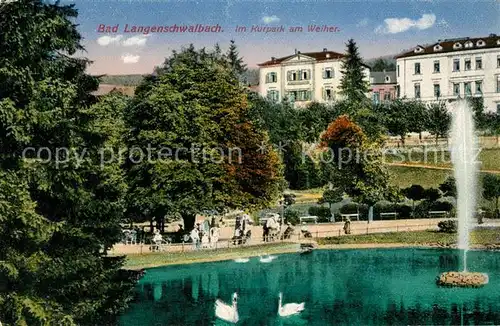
(195, 109)
(491, 189)
(353, 165)
(449, 187)
(60, 215)
(353, 83)
(439, 120)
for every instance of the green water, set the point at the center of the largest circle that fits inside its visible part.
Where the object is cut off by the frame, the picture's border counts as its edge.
(339, 287)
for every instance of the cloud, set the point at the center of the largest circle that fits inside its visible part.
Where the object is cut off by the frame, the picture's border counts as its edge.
(107, 40)
(270, 19)
(130, 58)
(136, 41)
(399, 25)
(363, 22)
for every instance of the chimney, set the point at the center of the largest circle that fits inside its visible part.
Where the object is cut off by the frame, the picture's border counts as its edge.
(295, 51)
(273, 59)
(325, 49)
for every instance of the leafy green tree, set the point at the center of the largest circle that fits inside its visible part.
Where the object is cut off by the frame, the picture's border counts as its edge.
(439, 120)
(353, 165)
(63, 212)
(353, 83)
(414, 193)
(432, 194)
(196, 111)
(449, 187)
(477, 106)
(491, 189)
(331, 196)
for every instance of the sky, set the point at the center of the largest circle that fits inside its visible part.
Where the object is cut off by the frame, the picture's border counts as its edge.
(379, 27)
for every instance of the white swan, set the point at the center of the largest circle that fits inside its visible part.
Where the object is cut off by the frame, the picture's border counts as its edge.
(242, 260)
(227, 312)
(267, 259)
(290, 308)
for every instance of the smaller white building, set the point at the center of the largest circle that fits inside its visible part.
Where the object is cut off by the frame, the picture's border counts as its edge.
(303, 77)
(451, 69)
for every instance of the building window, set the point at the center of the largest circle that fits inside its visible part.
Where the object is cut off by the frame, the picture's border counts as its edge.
(305, 74)
(417, 68)
(467, 64)
(456, 89)
(328, 73)
(456, 64)
(498, 108)
(498, 84)
(437, 91)
(387, 79)
(479, 87)
(297, 96)
(436, 66)
(376, 97)
(273, 95)
(398, 91)
(467, 89)
(292, 76)
(417, 90)
(479, 63)
(398, 69)
(328, 94)
(271, 77)
(498, 61)
(387, 96)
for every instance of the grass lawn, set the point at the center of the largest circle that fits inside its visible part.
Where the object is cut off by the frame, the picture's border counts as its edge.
(137, 261)
(478, 237)
(406, 176)
(487, 157)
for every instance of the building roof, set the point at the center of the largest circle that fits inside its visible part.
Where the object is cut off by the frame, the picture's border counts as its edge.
(319, 56)
(451, 45)
(107, 88)
(378, 77)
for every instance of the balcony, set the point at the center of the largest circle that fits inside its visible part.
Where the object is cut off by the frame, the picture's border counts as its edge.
(298, 82)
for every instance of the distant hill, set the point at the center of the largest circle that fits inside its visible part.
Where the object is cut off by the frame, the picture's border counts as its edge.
(389, 63)
(251, 77)
(122, 80)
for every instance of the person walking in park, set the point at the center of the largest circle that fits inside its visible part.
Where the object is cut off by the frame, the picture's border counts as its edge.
(195, 237)
(347, 226)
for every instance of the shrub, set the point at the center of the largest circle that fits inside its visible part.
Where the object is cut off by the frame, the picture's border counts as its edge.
(292, 216)
(353, 208)
(404, 210)
(323, 213)
(448, 226)
(383, 206)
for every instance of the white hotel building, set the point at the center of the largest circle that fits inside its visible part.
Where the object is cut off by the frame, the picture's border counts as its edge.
(450, 69)
(303, 77)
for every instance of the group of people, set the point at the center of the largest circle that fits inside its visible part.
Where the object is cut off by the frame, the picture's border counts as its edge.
(201, 238)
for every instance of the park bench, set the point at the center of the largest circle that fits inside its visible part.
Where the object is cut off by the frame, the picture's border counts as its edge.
(308, 218)
(438, 214)
(394, 214)
(345, 216)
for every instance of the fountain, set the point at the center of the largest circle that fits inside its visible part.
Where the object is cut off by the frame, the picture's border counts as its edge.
(463, 155)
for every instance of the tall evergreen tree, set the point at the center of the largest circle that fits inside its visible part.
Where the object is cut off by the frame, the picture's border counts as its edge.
(236, 62)
(59, 215)
(353, 84)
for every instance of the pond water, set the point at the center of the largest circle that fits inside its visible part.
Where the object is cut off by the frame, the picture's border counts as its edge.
(339, 287)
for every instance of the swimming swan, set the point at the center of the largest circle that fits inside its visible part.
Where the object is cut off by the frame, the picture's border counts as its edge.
(242, 260)
(290, 308)
(227, 312)
(267, 259)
